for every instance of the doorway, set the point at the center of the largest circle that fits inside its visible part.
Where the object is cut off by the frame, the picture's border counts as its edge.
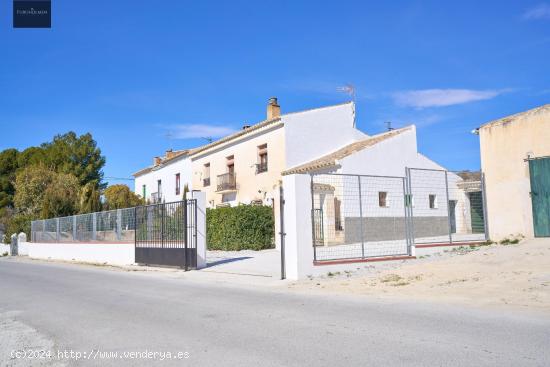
(539, 172)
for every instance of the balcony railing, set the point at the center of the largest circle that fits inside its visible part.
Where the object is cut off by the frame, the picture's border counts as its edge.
(206, 181)
(226, 182)
(261, 167)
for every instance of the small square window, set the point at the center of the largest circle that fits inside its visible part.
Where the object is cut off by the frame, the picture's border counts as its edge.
(432, 201)
(383, 199)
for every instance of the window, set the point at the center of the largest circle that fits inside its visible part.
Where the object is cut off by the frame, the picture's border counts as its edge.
(206, 175)
(338, 215)
(383, 199)
(432, 201)
(409, 200)
(261, 166)
(230, 164)
(159, 188)
(177, 183)
(144, 191)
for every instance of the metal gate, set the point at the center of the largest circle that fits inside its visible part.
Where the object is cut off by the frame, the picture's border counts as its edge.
(166, 234)
(446, 207)
(359, 217)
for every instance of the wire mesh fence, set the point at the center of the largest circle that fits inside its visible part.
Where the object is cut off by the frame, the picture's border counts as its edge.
(108, 226)
(447, 207)
(356, 217)
(361, 216)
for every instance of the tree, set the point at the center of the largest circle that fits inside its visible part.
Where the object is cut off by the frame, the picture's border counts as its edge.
(30, 185)
(120, 196)
(77, 155)
(61, 197)
(8, 166)
(31, 156)
(90, 198)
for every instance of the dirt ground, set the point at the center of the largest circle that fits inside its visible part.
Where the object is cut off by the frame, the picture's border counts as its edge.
(510, 276)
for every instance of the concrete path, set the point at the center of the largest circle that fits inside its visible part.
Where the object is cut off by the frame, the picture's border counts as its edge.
(266, 263)
(97, 311)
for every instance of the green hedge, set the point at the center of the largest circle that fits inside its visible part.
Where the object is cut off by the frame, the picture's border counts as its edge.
(243, 227)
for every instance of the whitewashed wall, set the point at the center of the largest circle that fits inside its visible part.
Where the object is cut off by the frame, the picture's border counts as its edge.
(167, 174)
(314, 133)
(116, 254)
(298, 239)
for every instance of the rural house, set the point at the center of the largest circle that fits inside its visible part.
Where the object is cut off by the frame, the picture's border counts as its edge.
(515, 159)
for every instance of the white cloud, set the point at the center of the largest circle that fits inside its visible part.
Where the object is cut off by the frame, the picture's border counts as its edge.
(442, 97)
(192, 131)
(541, 11)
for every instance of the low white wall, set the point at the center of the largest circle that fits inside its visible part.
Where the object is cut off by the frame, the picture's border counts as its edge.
(111, 253)
(4, 248)
(298, 240)
(23, 248)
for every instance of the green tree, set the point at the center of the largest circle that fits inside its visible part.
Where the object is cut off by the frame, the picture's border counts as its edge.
(17, 224)
(76, 155)
(31, 156)
(120, 196)
(61, 197)
(90, 198)
(8, 166)
(30, 185)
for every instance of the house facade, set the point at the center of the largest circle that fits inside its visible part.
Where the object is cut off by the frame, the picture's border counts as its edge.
(245, 167)
(371, 171)
(515, 159)
(165, 179)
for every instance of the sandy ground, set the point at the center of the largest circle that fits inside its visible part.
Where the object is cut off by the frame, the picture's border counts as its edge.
(510, 276)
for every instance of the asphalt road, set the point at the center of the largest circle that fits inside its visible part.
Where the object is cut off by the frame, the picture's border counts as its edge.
(85, 309)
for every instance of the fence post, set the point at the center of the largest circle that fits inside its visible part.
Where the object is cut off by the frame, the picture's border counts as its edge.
(448, 208)
(313, 219)
(94, 226)
(484, 203)
(185, 218)
(361, 218)
(407, 197)
(57, 230)
(118, 224)
(411, 210)
(74, 229)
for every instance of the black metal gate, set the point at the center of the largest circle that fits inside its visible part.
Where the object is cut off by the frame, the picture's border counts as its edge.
(166, 234)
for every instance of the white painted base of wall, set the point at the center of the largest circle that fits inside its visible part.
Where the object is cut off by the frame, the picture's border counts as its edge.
(4, 248)
(110, 253)
(23, 248)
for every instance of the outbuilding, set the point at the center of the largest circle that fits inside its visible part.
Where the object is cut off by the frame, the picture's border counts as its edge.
(515, 160)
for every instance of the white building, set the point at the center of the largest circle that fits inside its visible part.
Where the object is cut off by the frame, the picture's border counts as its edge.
(236, 169)
(165, 180)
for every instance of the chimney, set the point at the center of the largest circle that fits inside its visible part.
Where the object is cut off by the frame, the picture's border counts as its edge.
(170, 153)
(156, 161)
(273, 109)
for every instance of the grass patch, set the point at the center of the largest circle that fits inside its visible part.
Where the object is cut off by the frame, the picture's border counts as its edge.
(391, 278)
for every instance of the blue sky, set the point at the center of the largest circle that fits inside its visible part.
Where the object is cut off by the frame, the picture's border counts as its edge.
(144, 76)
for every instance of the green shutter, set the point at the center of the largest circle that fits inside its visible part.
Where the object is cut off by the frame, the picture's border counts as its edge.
(476, 212)
(539, 170)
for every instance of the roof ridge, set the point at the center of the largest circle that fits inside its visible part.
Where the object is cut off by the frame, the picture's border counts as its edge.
(516, 115)
(329, 159)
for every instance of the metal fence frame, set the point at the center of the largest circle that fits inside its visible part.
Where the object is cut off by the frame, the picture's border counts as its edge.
(108, 226)
(431, 214)
(360, 247)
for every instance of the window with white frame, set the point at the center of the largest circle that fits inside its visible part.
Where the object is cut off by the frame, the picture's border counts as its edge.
(432, 201)
(383, 199)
